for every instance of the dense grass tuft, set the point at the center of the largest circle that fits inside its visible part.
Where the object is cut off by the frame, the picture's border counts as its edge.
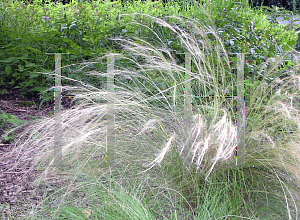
(150, 127)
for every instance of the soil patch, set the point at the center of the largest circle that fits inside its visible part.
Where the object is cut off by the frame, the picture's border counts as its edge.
(18, 193)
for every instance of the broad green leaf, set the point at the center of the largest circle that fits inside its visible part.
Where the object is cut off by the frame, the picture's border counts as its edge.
(4, 91)
(21, 67)
(14, 121)
(67, 40)
(25, 55)
(30, 65)
(291, 43)
(290, 63)
(3, 116)
(33, 75)
(33, 49)
(271, 49)
(8, 60)
(16, 74)
(8, 69)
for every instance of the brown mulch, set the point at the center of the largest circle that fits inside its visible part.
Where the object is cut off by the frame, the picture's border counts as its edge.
(17, 192)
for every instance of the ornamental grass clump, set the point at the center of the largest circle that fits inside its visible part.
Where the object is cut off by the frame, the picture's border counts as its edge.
(150, 126)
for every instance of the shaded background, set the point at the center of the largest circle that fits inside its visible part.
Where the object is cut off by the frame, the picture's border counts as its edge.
(286, 4)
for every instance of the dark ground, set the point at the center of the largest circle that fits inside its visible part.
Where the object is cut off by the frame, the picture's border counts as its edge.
(17, 190)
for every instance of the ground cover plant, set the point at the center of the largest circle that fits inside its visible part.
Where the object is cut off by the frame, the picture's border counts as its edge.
(149, 115)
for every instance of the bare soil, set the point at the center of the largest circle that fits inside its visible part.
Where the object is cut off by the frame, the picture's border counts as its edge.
(18, 193)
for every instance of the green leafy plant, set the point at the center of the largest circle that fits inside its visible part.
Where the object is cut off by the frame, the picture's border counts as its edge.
(84, 30)
(6, 119)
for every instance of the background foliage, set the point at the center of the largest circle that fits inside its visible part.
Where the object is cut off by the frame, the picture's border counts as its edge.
(287, 4)
(84, 30)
